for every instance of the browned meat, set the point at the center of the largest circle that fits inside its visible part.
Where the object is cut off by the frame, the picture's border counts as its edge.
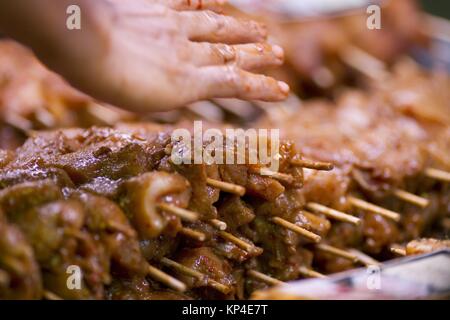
(422, 246)
(143, 194)
(204, 260)
(140, 289)
(20, 277)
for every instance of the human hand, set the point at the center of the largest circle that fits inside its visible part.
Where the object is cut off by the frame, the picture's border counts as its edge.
(155, 55)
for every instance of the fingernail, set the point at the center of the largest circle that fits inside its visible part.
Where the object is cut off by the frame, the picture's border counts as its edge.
(278, 51)
(284, 87)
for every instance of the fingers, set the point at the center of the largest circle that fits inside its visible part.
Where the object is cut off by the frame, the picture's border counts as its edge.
(207, 26)
(231, 82)
(214, 5)
(245, 56)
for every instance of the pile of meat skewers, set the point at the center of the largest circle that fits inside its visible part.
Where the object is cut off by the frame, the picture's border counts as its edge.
(361, 179)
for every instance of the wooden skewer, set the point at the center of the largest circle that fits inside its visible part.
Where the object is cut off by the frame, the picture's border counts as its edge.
(194, 234)
(226, 186)
(316, 165)
(264, 278)
(51, 296)
(438, 174)
(323, 77)
(115, 226)
(337, 252)
(219, 224)
(164, 278)
(196, 274)
(411, 198)
(299, 230)
(306, 272)
(365, 63)
(276, 175)
(332, 213)
(239, 242)
(364, 205)
(180, 212)
(364, 258)
(398, 250)
(182, 268)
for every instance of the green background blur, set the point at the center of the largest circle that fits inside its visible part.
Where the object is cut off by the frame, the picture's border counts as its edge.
(437, 7)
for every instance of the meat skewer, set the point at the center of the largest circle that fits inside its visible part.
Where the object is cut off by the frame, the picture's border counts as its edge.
(332, 213)
(163, 277)
(264, 278)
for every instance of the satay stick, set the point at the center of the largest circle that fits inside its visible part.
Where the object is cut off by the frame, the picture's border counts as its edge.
(264, 278)
(398, 250)
(48, 295)
(194, 234)
(244, 245)
(364, 205)
(226, 186)
(364, 62)
(275, 175)
(218, 224)
(310, 164)
(166, 279)
(364, 258)
(309, 273)
(180, 212)
(337, 252)
(196, 274)
(438, 174)
(411, 198)
(299, 230)
(332, 213)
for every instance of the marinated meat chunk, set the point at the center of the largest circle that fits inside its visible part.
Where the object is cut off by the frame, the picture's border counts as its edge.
(204, 260)
(23, 196)
(142, 195)
(421, 246)
(20, 276)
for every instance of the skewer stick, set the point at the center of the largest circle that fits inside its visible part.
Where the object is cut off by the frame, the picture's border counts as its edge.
(116, 226)
(194, 234)
(316, 165)
(438, 174)
(219, 224)
(180, 212)
(365, 63)
(239, 242)
(196, 274)
(226, 186)
(332, 213)
(164, 278)
(48, 295)
(309, 273)
(398, 250)
(264, 278)
(411, 198)
(295, 228)
(364, 258)
(276, 175)
(182, 268)
(337, 252)
(364, 205)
